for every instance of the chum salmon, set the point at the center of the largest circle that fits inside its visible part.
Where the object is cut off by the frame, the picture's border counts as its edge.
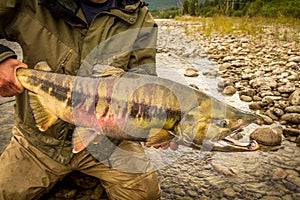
(130, 106)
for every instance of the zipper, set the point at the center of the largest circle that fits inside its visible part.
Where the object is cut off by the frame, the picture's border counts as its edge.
(61, 66)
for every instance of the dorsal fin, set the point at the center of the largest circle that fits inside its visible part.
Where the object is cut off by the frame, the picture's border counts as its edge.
(44, 118)
(106, 70)
(43, 66)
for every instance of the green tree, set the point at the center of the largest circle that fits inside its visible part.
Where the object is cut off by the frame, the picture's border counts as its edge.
(186, 7)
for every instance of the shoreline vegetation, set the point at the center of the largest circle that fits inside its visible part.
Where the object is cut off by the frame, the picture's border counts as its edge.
(251, 17)
(231, 8)
(283, 28)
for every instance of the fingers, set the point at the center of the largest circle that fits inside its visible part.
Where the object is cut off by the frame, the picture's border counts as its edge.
(171, 145)
(9, 83)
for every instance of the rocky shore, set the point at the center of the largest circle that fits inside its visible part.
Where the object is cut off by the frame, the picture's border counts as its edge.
(253, 73)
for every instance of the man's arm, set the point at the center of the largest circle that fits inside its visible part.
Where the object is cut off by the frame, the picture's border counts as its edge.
(9, 84)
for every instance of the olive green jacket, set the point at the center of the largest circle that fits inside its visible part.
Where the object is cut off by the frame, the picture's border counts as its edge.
(56, 31)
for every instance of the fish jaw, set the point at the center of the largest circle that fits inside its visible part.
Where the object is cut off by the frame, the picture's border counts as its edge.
(215, 124)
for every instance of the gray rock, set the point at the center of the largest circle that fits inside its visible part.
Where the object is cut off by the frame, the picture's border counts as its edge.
(224, 66)
(191, 72)
(229, 192)
(229, 90)
(294, 179)
(294, 98)
(247, 92)
(292, 109)
(263, 81)
(256, 105)
(291, 132)
(246, 98)
(293, 118)
(287, 88)
(271, 115)
(268, 120)
(267, 135)
(279, 174)
(295, 59)
(278, 112)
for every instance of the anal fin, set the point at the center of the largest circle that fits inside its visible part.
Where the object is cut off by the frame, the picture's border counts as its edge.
(44, 118)
(82, 137)
(159, 136)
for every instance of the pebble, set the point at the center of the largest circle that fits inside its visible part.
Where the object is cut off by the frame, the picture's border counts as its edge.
(292, 109)
(256, 105)
(245, 98)
(267, 135)
(229, 192)
(291, 131)
(191, 72)
(293, 118)
(279, 174)
(294, 98)
(267, 119)
(229, 90)
(262, 81)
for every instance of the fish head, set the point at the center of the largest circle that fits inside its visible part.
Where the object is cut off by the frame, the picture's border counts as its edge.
(213, 121)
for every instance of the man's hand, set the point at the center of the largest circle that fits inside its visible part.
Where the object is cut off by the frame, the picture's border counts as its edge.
(9, 84)
(171, 145)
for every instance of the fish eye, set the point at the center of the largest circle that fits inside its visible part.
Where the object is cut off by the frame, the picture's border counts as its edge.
(240, 121)
(223, 123)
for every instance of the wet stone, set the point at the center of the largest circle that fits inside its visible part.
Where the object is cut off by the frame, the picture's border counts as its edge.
(291, 131)
(279, 174)
(229, 192)
(289, 87)
(293, 118)
(267, 119)
(271, 198)
(271, 115)
(179, 191)
(229, 90)
(294, 179)
(267, 135)
(255, 105)
(292, 109)
(294, 98)
(191, 72)
(263, 81)
(246, 98)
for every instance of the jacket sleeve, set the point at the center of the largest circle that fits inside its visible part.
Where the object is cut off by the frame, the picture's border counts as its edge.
(6, 52)
(7, 12)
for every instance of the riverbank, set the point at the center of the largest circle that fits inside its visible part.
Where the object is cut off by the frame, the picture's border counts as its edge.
(189, 174)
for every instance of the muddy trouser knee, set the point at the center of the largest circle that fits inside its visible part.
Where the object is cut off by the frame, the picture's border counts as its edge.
(130, 175)
(25, 172)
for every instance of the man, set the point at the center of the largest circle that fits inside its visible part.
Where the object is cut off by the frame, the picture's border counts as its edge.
(63, 33)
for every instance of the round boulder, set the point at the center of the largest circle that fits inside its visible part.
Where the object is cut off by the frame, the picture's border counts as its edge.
(267, 135)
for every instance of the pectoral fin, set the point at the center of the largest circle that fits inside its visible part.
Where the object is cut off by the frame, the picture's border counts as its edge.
(159, 136)
(82, 137)
(44, 118)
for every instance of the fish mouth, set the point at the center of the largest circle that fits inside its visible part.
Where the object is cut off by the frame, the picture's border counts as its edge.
(239, 127)
(233, 145)
(225, 144)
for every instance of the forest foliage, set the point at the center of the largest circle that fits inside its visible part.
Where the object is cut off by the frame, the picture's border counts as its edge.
(235, 8)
